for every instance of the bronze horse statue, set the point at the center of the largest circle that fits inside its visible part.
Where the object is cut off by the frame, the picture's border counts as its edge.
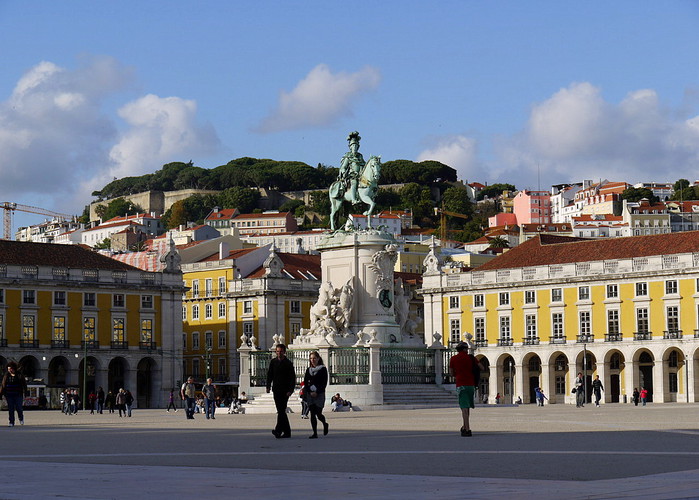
(367, 186)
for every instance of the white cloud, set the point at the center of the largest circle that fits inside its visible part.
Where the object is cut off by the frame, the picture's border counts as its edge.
(161, 130)
(57, 143)
(459, 152)
(320, 99)
(576, 134)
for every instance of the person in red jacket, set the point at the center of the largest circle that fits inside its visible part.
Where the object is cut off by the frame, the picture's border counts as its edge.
(462, 367)
(644, 396)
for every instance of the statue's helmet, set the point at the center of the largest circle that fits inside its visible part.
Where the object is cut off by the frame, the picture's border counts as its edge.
(354, 137)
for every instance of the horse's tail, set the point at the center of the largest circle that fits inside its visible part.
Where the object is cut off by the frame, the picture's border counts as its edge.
(335, 190)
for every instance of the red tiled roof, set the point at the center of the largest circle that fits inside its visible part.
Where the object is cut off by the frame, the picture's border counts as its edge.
(131, 217)
(25, 253)
(298, 265)
(226, 213)
(106, 226)
(547, 249)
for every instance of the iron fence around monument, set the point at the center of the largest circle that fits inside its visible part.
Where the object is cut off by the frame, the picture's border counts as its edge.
(299, 358)
(259, 364)
(407, 366)
(349, 365)
(447, 378)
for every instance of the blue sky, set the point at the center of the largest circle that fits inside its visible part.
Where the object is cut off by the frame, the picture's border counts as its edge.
(532, 93)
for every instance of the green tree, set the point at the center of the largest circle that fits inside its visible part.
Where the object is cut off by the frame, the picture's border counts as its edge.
(118, 207)
(499, 242)
(320, 202)
(680, 184)
(637, 194)
(418, 198)
(292, 206)
(105, 244)
(242, 198)
(495, 190)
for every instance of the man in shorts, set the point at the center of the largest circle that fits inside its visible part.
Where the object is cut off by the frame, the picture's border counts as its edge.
(462, 367)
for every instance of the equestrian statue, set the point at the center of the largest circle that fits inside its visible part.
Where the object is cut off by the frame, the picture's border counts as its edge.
(357, 181)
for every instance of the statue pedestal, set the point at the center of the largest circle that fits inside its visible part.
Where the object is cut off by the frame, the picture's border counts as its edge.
(364, 259)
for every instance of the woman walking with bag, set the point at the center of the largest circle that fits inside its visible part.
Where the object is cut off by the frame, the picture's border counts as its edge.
(315, 381)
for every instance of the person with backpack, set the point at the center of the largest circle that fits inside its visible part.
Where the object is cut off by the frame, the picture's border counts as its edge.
(465, 369)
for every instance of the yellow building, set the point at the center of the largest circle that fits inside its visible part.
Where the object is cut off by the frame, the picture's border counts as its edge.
(248, 295)
(625, 309)
(72, 317)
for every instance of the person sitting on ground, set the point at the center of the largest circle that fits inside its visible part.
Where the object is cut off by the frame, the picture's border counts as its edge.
(237, 402)
(337, 403)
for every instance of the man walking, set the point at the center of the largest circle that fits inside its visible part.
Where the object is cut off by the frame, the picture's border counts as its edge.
(463, 367)
(281, 380)
(188, 392)
(597, 389)
(579, 391)
(209, 391)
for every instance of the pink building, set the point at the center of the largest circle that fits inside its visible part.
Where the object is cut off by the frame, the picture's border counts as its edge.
(532, 207)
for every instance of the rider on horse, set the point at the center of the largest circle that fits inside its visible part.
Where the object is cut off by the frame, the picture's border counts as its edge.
(351, 165)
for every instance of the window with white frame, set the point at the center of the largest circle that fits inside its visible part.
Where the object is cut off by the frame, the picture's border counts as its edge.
(195, 340)
(295, 307)
(530, 325)
(184, 313)
(642, 323)
(209, 339)
(147, 331)
(28, 297)
(118, 330)
(671, 287)
(89, 299)
(642, 289)
(673, 318)
(222, 285)
(28, 330)
(504, 298)
(184, 343)
(195, 312)
(557, 325)
(89, 329)
(195, 368)
(59, 298)
(222, 371)
(585, 323)
(247, 329)
(221, 309)
(479, 329)
(612, 291)
(195, 288)
(59, 329)
(2, 295)
(209, 287)
(118, 300)
(295, 329)
(478, 300)
(208, 311)
(584, 293)
(221, 340)
(146, 302)
(2, 328)
(505, 333)
(530, 297)
(455, 331)
(613, 322)
(556, 295)
(454, 302)
(247, 307)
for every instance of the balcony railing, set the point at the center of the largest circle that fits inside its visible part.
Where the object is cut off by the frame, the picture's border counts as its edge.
(672, 334)
(29, 343)
(584, 339)
(612, 337)
(505, 342)
(90, 344)
(557, 340)
(643, 336)
(59, 344)
(696, 334)
(146, 345)
(481, 343)
(531, 341)
(119, 344)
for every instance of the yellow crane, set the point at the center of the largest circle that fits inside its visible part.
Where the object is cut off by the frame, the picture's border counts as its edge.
(9, 207)
(443, 221)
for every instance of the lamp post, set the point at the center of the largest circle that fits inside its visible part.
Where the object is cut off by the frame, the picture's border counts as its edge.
(511, 362)
(85, 374)
(207, 360)
(585, 339)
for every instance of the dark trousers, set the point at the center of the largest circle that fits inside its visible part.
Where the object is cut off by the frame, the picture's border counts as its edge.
(189, 409)
(210, 405)
(281, 401)
(14, 403)
(171, 404)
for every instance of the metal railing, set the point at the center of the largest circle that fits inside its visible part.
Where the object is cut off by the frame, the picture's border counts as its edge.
(557, 340)
(505, 342)
(147, 345)
(406, 366)
(531, 341)
(672, 334)
(447, 378)
(119, 344)
(349, 365)
(59, 344)
(29, 343)
(612, 337)
(643, 336)
(259, 364)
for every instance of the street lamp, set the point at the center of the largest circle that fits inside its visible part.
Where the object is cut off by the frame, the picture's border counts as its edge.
(207, 359)
(511, 362)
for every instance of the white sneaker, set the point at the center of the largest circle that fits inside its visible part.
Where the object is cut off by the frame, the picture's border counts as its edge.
(21, 422)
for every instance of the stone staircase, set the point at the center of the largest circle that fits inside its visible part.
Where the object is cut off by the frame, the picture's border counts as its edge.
(264, 403)
(418, 396)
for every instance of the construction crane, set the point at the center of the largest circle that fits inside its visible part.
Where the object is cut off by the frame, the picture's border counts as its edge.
(443, 221)
(9, 207)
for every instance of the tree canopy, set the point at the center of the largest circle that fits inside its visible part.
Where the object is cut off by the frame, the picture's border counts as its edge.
(495, 190)
(118, 207)
(637, 194)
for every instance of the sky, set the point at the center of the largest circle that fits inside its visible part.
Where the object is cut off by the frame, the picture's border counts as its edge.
(530, 93)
